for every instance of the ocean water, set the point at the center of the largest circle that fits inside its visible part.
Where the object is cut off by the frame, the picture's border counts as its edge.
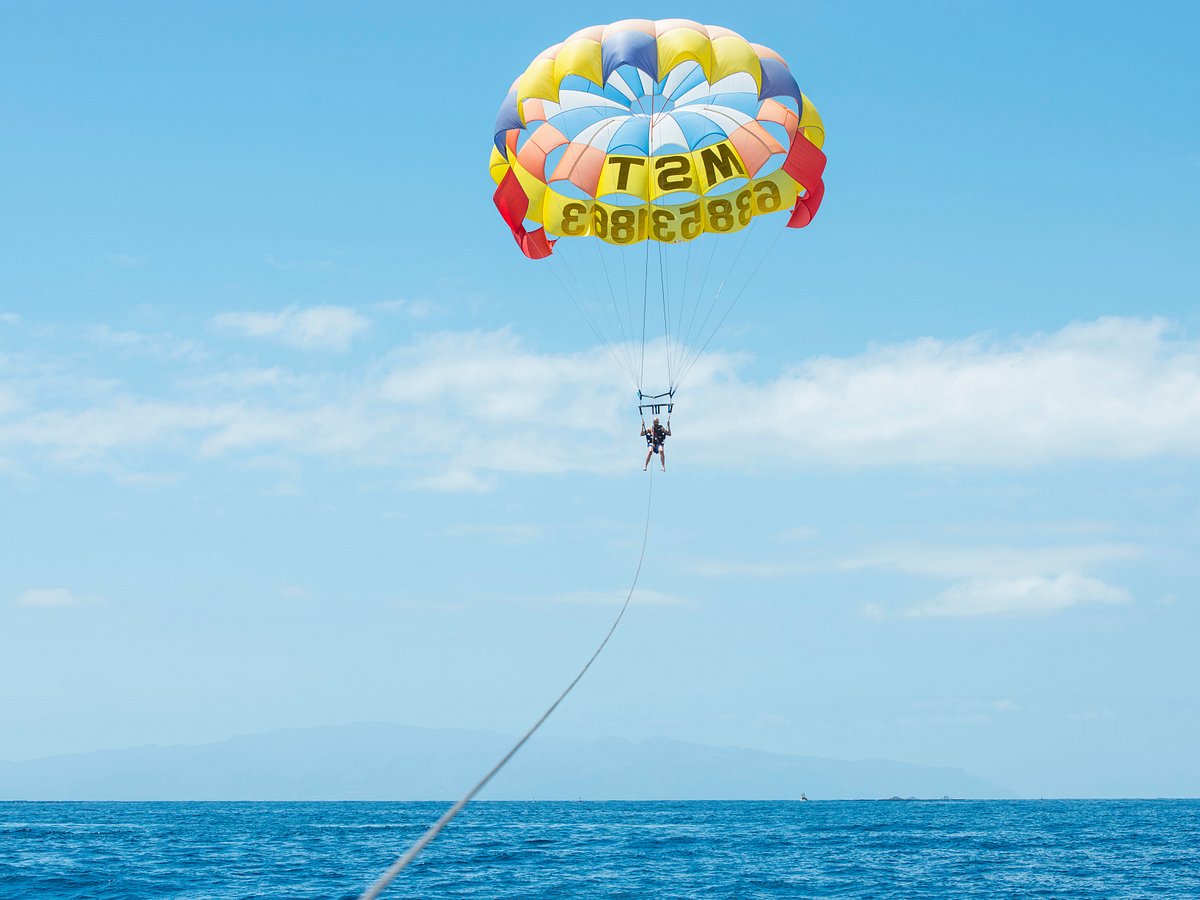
(927, 849)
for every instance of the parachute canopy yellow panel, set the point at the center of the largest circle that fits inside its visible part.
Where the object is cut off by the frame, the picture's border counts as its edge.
(645, 130)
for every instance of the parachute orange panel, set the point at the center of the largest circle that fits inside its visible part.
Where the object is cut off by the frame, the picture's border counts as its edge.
(661, 131)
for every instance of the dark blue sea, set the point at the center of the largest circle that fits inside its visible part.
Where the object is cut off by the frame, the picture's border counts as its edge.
(929, 849)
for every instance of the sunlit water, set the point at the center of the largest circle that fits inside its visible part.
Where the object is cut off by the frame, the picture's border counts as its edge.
(949, 849)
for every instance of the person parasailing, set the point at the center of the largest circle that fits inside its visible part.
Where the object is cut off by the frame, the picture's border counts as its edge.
(656, 437)
(668, 134)
(640, 158)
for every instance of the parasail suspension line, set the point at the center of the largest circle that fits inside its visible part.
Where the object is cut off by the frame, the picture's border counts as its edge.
(662, 281)
(696, 356)
(580, 305)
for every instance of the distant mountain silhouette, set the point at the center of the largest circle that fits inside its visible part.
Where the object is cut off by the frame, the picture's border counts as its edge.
(380, 761)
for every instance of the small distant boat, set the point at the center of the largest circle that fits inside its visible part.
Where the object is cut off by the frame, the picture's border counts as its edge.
(803, 799)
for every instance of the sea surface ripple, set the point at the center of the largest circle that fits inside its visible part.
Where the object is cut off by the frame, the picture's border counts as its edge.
(863, 849)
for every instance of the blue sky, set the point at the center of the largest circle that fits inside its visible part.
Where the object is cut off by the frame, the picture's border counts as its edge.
(291, 434)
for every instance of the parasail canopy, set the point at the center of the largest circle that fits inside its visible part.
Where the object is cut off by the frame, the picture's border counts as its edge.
(654, 133)
(662, 131)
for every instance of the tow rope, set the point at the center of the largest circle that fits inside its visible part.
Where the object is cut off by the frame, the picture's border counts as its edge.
(435, 829)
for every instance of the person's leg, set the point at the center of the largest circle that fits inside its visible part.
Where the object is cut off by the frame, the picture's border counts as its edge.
(662, 455)
(649, 453)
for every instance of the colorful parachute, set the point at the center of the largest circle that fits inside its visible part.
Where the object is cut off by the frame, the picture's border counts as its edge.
(662, 131)
(668, 135)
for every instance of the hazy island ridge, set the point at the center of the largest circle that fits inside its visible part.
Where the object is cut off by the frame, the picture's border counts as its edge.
(383, 761)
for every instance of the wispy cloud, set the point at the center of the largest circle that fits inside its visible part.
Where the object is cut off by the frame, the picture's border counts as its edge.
(10, 319)
(1112, 389)
(493, 378)
(987, 561)
(453, 481)
(800, 533)
(610, 598)
(90, 434)
(51, 598)
(316, 327)
(1030, 595)
(159, 344)
(447, 412)
(245, 380)
(992, 580)
(999, 580)
(716, 568)
(417, 309)
(966, 712)
(315, 265)
(514, 533)
(453, 411)
(9, 400)
(1092, 715)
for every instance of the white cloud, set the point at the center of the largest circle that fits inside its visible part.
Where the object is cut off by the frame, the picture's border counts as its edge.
(999, 580)
(418, 410)
(988, 561)
(92, 433)
(961, 711)
(1093, 715)
(732, 569)
(46, 598)
(429, 605)
(1112, 389)
(417, 309)
(9, 401)
(492, 378)
(10, 319)
(317, 327)
(515, 533)
(108, 335)
(1029, 595)
(244, 380)
(316, 265)
(951, 561)
(770, 720)
(159, 344)
(452, 481)
(800, 533)
(452, 411)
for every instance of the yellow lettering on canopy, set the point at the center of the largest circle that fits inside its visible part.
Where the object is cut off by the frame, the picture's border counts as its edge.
(649, 178)
(624, 175)
(719, 163)
(717, 214)
(674, 173)
(774, 192)
(566, 216)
